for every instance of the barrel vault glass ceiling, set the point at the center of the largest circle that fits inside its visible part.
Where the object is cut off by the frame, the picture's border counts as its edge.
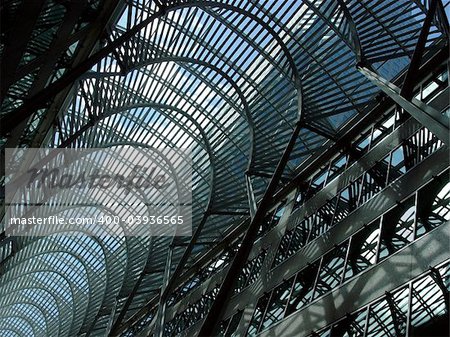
(228, 79)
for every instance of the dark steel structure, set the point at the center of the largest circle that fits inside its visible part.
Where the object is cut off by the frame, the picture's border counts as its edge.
(319, 132)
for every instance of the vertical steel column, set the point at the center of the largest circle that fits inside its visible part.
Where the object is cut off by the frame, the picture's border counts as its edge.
(184, 258)
(212, 320)
(409, 312)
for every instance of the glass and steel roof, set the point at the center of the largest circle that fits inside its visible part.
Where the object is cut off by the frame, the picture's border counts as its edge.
(228, 79)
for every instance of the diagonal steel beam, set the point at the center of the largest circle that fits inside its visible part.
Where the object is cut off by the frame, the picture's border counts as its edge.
(212, 320)
(410, 80)
(424, 114)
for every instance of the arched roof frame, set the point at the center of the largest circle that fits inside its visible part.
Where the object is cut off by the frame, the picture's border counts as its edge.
(31, 273)
(12, 331)
(48, 293)
(68, 323)
(32, 304)
(88, 125)
(175, 5)
(246, 113)
(87, 269)
(79, 132)
(226, 60)
(109, 260)
(42, 321)
(204, 137)
(157, 134)
(160, 107)
(17, 325)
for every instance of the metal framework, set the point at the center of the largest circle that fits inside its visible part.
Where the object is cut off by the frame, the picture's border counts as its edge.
(276, 99)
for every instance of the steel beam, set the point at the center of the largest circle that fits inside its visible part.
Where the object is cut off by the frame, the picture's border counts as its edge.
(265, 175)
(354, 41)
(424, 114)
(212, 320)
(443, 19)
(184, 258)
(353, 31)
(398, 317)
(137, 316)
(40, 60)
(322, 133)
(437, 278)
(127, 303)
(410, 80)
